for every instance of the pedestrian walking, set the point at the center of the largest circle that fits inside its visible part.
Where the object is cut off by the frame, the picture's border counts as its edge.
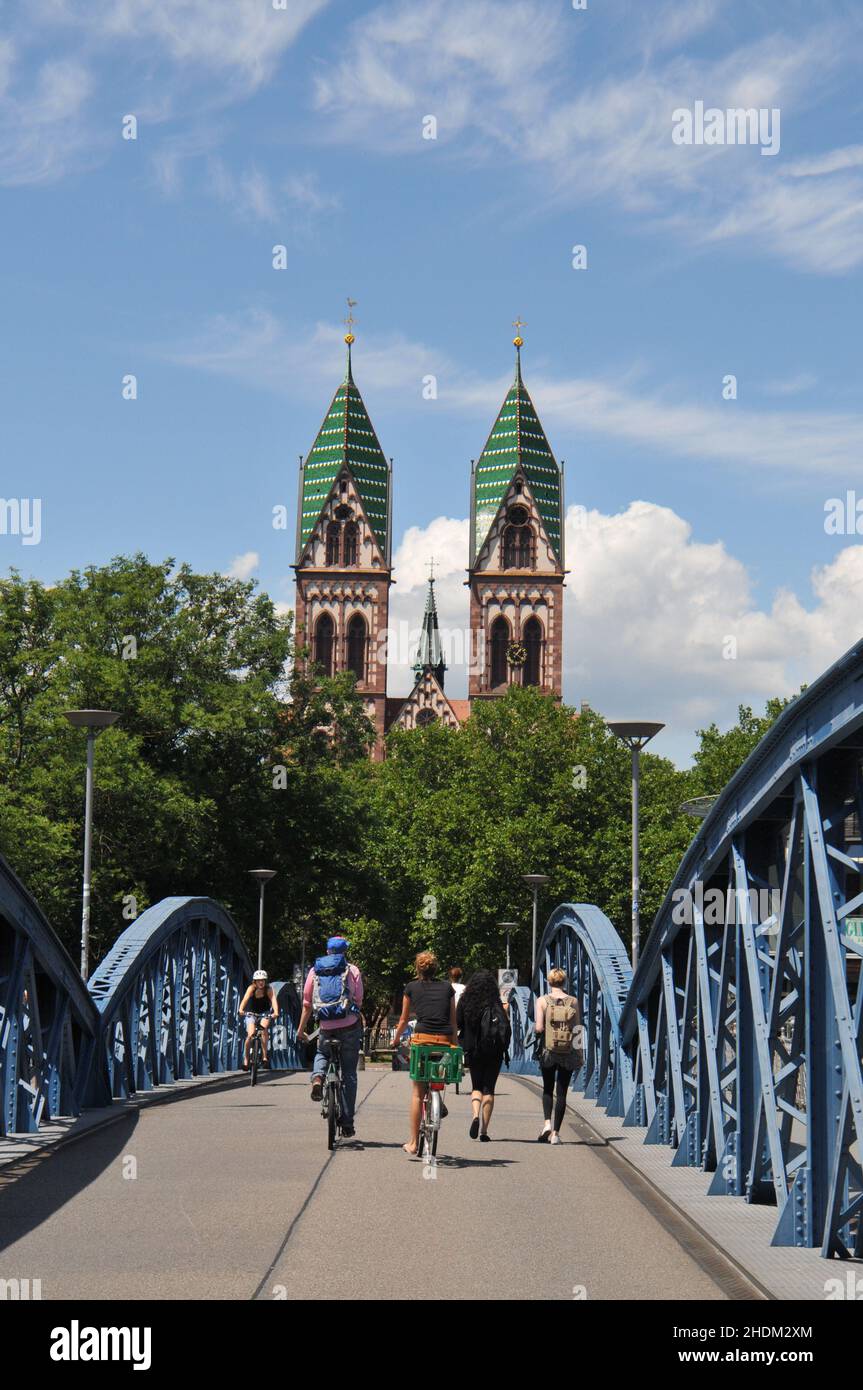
(484, 1033)
(561, 1050)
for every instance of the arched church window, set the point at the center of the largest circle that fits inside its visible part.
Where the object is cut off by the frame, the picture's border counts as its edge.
(324, 635)
(517, 544)
(350, 545)
(499, 643)
(334, 532)
(425, 717)
(532, 642)
(357, 646)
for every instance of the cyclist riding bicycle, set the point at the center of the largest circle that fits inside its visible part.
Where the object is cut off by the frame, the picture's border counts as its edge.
(334, 993)
(259, 1003)
(433, 1002)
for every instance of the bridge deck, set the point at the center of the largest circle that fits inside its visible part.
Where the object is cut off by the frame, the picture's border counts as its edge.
(235, 1196)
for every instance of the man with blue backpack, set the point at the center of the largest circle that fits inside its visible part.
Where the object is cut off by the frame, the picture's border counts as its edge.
(333, 992)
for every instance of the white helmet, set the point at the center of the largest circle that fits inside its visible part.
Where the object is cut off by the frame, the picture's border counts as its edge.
(260, 975)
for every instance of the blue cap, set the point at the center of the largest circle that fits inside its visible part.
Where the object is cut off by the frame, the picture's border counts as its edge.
(339, 944)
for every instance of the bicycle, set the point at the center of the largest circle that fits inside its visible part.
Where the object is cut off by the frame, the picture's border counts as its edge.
(435, 1065)
(256, 1046)
(331, 1095)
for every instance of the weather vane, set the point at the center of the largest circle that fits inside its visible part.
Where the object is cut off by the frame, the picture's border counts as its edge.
(350, 321)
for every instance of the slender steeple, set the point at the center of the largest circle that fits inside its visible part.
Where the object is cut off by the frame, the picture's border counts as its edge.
(517, 443)
(347, 441)
(430, 651)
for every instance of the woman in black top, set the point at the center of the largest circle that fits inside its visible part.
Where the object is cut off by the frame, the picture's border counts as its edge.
(484, 1033)
(432, 1002)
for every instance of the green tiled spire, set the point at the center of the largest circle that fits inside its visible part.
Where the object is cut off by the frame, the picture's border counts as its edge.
(346, 437)
(430, 652)
(517, 437)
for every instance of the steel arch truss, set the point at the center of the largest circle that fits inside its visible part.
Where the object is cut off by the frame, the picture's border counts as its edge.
(168, 995)
(48, 1023)
(744, 1018)
(580, 940)
(284, 1052)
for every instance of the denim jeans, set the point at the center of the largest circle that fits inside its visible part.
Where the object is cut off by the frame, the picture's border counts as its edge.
(351, 1040)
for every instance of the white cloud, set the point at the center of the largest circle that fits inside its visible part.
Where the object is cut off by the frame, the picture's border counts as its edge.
(792, 385)
(41, 131)
(244, 566)
(258, 348)
(241, 37)
(156, 57)
(305, 191)
(496, 98)
(647, 617)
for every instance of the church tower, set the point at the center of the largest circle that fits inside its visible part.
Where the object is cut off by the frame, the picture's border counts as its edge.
(344, 540)
(516, 570)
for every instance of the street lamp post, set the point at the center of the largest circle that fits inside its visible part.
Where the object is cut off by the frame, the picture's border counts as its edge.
(261, 876)
(635, 735)
(94, 721)
(534, 881)
(507, 927)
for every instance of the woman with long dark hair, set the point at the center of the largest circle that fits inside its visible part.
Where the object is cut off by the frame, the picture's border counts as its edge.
(484, 1033)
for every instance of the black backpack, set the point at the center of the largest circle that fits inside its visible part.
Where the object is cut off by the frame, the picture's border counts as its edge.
(491, 1034)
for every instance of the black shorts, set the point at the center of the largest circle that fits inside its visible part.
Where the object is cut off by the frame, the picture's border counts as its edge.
(484, 1071)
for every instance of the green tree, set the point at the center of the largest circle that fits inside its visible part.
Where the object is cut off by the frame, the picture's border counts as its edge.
(719, 754)
(212, 769)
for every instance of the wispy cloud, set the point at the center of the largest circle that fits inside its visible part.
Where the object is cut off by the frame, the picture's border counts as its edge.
(240, 38)
(495, 98)
(60, 60)
(261, 350)
(41, 128)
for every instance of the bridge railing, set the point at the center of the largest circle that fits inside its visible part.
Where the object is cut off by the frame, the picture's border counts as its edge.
(738, 1042)
(48, 1022)
(284, 1052)
(168, 996)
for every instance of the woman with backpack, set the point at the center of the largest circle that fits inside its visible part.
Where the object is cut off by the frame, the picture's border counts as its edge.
(484, 1033)
(559, 1039)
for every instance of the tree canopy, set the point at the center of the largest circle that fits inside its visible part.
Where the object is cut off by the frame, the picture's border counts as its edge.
(229, 756)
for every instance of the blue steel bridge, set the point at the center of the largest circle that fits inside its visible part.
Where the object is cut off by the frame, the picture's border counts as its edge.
(721, 1089)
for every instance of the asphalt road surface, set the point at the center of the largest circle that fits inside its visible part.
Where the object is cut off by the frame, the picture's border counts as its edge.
(230, 1193)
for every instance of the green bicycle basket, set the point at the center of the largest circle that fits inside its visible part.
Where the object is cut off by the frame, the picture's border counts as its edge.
(433, 1062)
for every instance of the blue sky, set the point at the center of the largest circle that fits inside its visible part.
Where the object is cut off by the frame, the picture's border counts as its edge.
(701, 519)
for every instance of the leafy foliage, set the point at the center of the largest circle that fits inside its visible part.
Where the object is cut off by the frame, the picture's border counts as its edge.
(226, 757)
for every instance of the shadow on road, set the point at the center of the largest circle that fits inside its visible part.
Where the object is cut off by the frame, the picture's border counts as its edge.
(449, 1161)
(34, 1188)
(37, 1185)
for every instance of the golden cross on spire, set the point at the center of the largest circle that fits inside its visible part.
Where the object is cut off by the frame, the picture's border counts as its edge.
(518, 326)
(350, 321)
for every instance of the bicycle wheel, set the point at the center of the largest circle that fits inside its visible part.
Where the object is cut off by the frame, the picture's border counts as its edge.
(423, 1144)
(434, 1119)
(332, 1115)
(253, 1060)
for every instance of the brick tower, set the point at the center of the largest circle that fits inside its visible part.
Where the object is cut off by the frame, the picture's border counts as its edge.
(516, 566)
(344, 540)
